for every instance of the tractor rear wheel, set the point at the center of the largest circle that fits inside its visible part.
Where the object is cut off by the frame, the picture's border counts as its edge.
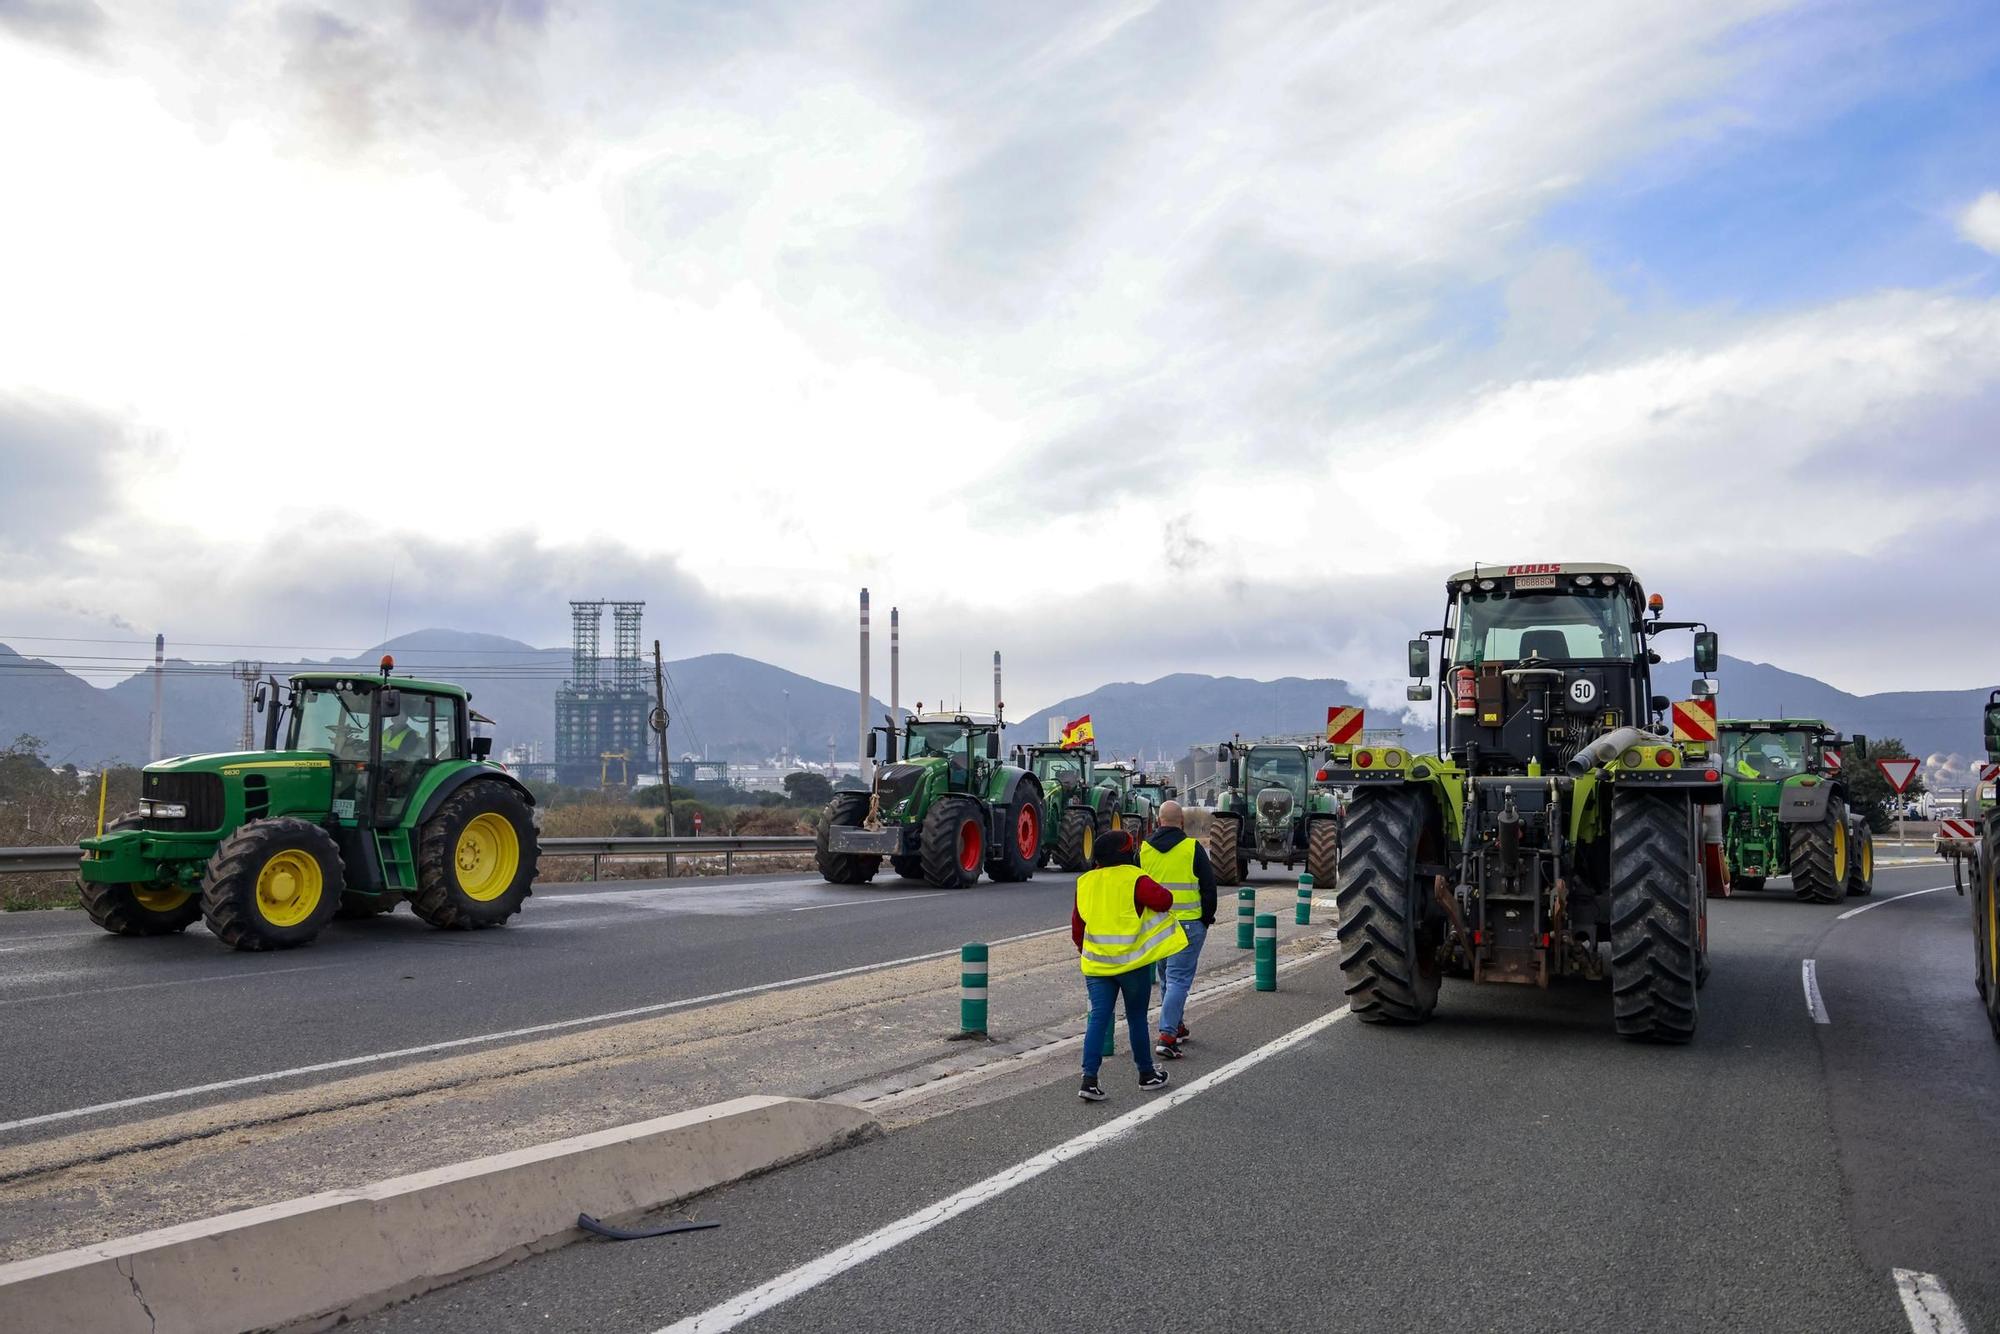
(143, 909)
(475, 858)
(1021, 839)
(1076, 842)
(1323, 849)
(271, 885)
(1225, 829)
(849, 809)
(1820, 853)
(1388, 958)
(1656, 897)
(954, 843)
(1986, 923)
(1860, 861)
(910, 868)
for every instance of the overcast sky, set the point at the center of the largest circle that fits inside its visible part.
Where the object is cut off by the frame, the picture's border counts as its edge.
(1126, 338)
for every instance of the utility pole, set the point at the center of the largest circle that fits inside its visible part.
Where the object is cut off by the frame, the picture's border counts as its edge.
(659, 721)
(159, 696)
(247, 673)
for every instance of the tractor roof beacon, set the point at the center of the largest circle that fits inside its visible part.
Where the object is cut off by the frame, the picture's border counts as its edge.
(380, 793)
(947, 809)
(1556, 831)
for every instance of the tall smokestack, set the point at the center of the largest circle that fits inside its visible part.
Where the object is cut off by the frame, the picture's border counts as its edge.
(159, 693)
(862, 751)
(996, 690)
(895, 667)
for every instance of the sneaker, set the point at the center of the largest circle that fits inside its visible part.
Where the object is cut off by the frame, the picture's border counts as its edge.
(1183, 1034)
(1090, 1090)
(1169, 1047)
(1153, 1079)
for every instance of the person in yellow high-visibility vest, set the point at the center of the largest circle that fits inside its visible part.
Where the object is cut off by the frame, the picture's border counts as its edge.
(1181, 864)
(1123, 923)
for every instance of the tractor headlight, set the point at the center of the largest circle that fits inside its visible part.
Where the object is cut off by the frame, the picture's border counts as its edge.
(162, 810)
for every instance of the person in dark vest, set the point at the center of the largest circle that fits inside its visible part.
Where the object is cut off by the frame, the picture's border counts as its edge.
(1123, 923)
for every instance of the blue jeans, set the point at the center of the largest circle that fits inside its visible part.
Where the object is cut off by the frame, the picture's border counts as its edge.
(1178, 970)
(1136, 986)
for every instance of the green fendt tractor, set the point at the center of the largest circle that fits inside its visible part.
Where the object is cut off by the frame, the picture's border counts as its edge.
(1985, 882)
(1074, 809)
(1557, 818)
(379, 794)
(944, 811)
(1149, 793)
(1268, 809)
(1786, 810)
(1129, 797)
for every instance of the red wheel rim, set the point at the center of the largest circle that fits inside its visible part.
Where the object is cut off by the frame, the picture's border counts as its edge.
(1028, 832)
(968, 846)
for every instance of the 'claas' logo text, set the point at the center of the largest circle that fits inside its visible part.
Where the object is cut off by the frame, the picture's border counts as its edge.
(1534, 569)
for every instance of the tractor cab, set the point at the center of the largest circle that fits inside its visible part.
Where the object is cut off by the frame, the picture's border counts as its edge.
(384, 735)
(1778, 751)
(1058, 768)
(1993, 728)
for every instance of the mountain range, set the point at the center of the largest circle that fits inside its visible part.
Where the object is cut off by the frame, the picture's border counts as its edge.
(729, 707)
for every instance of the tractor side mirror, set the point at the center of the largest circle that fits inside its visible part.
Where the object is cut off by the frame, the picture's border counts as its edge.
(1860, 746)
(1706, 651)
(871, 745)
(1704, 688)
(1660, 703)
(1419, 692)
(261, 693)
(1420, 658)
(1222, 753)
(992, 745)
(390, 704)
(482, 746)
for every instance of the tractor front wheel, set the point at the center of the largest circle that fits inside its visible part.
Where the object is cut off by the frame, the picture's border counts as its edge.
(1021, 839)
(143, 909)
(1656, 899)
(1820, 854)
(1076, 841)
(475, 858)
(1387, 957)
(1986, 923)
(954, 843)
(1323, 849)
(271, 885)
(1860, 861)
(1225, 831)
(849, 809)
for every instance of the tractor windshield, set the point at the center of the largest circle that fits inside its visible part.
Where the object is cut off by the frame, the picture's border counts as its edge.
(1278, 767)
(332, 719)
(946, 739)
(1051, 768)
(1504, 626)
(1764, 754)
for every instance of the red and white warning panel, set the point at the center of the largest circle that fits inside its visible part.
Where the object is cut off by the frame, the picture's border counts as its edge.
(1833, 760)
(1694, 719)
(1990, 774)
(1343, 724)
(1963, 831)
(1898, 772)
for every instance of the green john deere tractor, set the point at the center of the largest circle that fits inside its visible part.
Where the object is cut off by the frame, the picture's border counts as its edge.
(379, 794)
(1558, 822)
(942, 812)
(1269, 809)
(1075, 810)
(1786, 809)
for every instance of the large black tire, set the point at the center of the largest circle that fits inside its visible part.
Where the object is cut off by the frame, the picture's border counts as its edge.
(1656, 894)
(1323, 849)
(139, 909)
(1986, 921)
(1819, 856)
(1746, 884)
(848, 868)
(356, 906)
(1388, 958)
(1077, 839)
(953, 845)
(1860, 860)
(271, 885)
(1225, 831)
(1020, 840)
(476, 858)
(910, 868)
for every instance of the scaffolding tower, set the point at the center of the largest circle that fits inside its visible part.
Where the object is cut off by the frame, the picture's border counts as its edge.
(600, 713)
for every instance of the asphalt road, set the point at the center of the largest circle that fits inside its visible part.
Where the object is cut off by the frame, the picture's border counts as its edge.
(1511, 1165)
(97, 1019)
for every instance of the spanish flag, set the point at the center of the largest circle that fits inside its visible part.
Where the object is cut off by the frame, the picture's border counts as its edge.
(1079, 732)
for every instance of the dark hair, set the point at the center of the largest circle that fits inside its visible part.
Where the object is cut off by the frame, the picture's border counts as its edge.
(1113, 849)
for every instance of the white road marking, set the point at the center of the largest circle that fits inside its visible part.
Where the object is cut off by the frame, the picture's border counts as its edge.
(1814, 1005)
(373, 1058)
(877, 898)
(736, 1310)
(170, 982)
(1929, 1307)
(1893, 898)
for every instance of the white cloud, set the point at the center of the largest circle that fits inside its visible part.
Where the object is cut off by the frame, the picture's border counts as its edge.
(1979, 223)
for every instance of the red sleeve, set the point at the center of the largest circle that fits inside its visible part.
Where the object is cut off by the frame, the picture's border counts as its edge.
(1150, 893)
(1076, 928)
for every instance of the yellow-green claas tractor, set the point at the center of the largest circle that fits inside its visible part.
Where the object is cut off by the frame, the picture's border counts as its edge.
(378, 794)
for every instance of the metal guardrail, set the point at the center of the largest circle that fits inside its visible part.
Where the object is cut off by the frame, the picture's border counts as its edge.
(61, 858)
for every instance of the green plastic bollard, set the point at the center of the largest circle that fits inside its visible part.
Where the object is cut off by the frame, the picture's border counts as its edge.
(972, 989)
(1246, 909)
(1304, 915)
(1267, 951)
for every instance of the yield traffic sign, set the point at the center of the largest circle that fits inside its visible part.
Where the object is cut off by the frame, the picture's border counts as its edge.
(1898, 772)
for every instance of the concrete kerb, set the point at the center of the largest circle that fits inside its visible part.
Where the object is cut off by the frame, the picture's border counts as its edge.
(343, 1252)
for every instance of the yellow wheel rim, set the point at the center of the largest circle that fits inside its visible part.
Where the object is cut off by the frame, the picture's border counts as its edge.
(156, 898)
(1867, 859)
(487, 857)
(1839, 851)
(289, 887)
(1089, 842)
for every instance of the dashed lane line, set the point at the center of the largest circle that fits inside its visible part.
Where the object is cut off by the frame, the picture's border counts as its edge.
(873, 898)
(1928, 1306)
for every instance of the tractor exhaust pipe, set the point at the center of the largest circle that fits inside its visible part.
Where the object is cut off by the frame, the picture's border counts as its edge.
(895, 678)
(861, 746)
(998, 707)
(1606, 748)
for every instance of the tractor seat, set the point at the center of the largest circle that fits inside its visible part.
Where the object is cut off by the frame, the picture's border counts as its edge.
(1548, 645)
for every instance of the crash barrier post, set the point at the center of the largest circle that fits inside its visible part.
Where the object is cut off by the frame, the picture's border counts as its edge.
(972, 989)
(1267, 951)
